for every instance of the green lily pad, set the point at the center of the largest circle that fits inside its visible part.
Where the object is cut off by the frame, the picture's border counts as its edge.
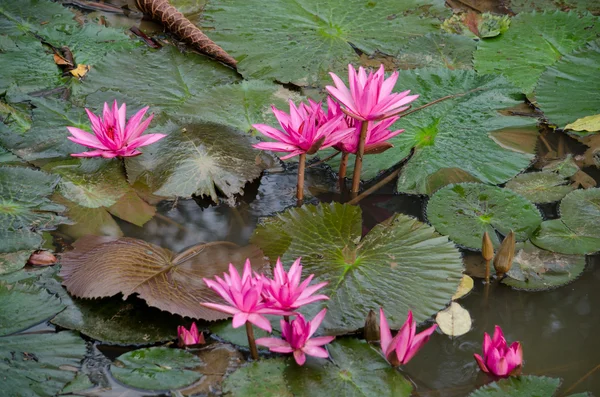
(175, 77)
(133, 209)
(94, 221)
(581, 6)
(156, 368)
(357, 370)
(238, 336)
(238, 105)
(534, 42)
(465, 211)
(541, 187)
(300, 43)
(196, 159)
(15, 115)
(91, 183)
(264, 378)
(24, 306)
(555, 236)
(80, 383)
(464, 121)
(37, 365)
(113, 320)
(437, 50)
(401, 264)
(522, 386)
(30, 15)
(570, 89)
(13, 261)
(566, 167)
(536, 269)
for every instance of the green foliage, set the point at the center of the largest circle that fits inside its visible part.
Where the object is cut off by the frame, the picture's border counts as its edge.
(522, 386)
(437, 50)
(540, 187)
(264, 378)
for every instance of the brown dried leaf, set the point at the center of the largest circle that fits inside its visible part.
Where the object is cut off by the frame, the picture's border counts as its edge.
(105, 266)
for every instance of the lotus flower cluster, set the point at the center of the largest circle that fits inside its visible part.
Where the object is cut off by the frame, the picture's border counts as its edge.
(114, 136)
(189, 337)
(499, 359)
(250, 296)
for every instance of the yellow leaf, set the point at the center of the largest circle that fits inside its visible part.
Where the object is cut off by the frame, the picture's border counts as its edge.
(80, 71)
(588, 123)
(454, 320)
(465, 286)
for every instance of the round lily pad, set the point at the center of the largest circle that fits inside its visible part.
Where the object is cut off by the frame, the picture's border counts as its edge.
(156, 368)
(264, 378)
(465, 211)
(541, 187)
(522, 386)
(401, 264)
(536, 269)
(554, 235)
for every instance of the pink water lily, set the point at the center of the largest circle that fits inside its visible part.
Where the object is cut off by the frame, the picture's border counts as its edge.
(114, 136)
(403, 347)
(244, 295)
(285, 291)
(297, 338)
(189, 337)
(370, 97)
(304, 130)
(378, 135)
(499, 359)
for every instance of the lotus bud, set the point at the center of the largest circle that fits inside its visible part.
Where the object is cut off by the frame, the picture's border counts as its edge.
(487, 248)
(42, 258)
(371, 332)
(504, 258)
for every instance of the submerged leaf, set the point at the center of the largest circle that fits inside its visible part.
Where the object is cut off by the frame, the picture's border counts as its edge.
(102, 267)
(400, 264)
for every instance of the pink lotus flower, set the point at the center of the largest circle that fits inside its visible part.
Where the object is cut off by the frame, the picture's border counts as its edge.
(285, 291)
(498, 358)
(377, 136)
(191, 337)
(113, 136)
(403, 347)
(370, 97)
(304, 131)
(245, 297)
(297, 338)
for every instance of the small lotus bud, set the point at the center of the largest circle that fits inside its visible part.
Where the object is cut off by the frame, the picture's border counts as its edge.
(504, 257)
(487, 248)
(41, 258)
(371, 332)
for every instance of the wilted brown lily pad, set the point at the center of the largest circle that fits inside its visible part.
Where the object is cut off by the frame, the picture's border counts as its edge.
(105, 266)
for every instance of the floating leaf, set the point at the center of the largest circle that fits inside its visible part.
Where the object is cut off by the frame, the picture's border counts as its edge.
(355, 369)
(582, 6)
(540, 187)
(570, 90)
(102, 267)
(400, 264)
(34, 365)
(475, 25)
(238, 336)
(466, 120)
(566, 167)
(522, 386)
(437, 50)
(300, 43)
(465, 286)
(555, 236)
(156, 368)
(465, 211)
(25, 306)
(588, 123)
(454, 320)
(264, 378)
(131, 208)
(13, 261)
(197, 159)
(537, 269)
(80, 383)
(534, 42)
(447, 176)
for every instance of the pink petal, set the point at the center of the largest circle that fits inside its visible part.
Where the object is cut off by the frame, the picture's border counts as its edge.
(315, 351)
(403, 338)
(299, 357)
(275, 343)
(260, 321)
(315, 322)
(132, 129)
(85, 138)
(145, 140)
(273, 133)
(418, 342)
(319, 341)
(240, 319)
(92, 153)
(385, 335)
(496, 364)
(487, 344)
(275, 146)
(292, 154)
(221, 308)
(498, 338)
(481, 363)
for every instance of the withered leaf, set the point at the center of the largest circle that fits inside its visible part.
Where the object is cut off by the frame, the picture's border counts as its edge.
(106, 266)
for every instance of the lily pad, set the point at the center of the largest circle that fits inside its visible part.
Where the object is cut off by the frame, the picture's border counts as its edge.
(586, 124)
(454, 320)
(24, 306)
(580, 211)
(197, 159)
(400, 264)
(132, 208)
(574, 77)
(536, 269)
(582, 6)
(238, 336)
(465, 211)
(476, 25)
(534, 42)
(436, 50)
(565, 167)
(541, 187)
(87, 221)
(465, 120)
(356, 369)
(300, 43)
(522, 386)
(103, 267)
(13, 261)
(555, 236)
(156, 368)
(263, 378)
(37, 365)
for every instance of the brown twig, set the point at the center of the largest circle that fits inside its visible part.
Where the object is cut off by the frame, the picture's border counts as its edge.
(359, 157)
(342, 171)
(180, 26)
(300, 184)
(574, 385)
(251, 341)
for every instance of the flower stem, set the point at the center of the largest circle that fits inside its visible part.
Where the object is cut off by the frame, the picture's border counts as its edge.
(342, 172)
(286, 319)
(251, 341)
(359, 157)
(487, 271)
(300, 185)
